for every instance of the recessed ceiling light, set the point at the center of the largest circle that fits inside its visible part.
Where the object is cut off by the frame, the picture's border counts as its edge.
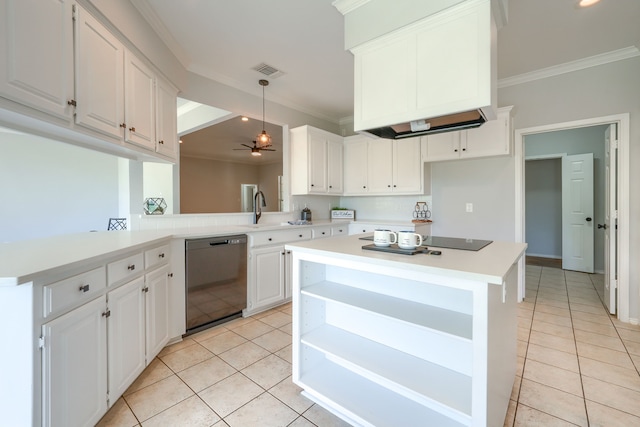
(180, 141)
(587, 3)
(245, 119)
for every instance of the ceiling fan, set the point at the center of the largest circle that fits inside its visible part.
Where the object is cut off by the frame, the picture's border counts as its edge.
(255, 150)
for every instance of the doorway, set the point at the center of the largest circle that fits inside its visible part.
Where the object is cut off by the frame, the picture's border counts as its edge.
(621, 195)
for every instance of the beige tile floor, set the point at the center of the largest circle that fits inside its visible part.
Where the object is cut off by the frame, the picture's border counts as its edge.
(577, 366)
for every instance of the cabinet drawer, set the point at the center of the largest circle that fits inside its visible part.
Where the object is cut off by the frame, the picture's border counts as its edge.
(320, 232)
(124, 268)
(280, 236)
(341, 230)
(156, 256)
(73, 291)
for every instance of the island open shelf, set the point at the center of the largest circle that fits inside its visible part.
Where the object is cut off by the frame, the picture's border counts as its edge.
(382, 342)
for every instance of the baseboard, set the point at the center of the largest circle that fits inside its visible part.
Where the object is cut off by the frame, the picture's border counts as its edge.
(543, 256)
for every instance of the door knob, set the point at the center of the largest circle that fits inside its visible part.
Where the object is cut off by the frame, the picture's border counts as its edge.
(602, 226)
(588, 219)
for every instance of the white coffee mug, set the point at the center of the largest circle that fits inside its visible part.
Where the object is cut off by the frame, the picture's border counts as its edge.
(409, 239)
(384, 237)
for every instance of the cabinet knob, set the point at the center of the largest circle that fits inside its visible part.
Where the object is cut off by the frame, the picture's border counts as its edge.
(299, 235)
(331, 186)
(388, 185)
(456, 150)
(123, 125)
(145, 289)
(106, 313)
(270, 239)
(312, 185)
(84, 288)
(394, 186)
(170, 275)
(72, 102)
(161, 142)
(324, 233)
(364, 186)
(161, 255)
(132, 129)
(464, 149)
(131, 267)
(282, 253)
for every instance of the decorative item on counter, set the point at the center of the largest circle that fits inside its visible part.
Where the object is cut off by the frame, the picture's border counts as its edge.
(421, 213)
(305, 215)
(154, 206)
(299, 222)
(343, 213)
(117, 224)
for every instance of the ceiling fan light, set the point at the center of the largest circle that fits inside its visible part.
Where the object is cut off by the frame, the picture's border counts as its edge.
(587, 3)
(256, 153)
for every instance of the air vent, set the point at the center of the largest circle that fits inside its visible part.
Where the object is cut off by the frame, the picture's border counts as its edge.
(268, 70)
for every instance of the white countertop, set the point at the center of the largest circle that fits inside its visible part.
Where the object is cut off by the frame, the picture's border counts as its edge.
(490, 264)
(21, 261)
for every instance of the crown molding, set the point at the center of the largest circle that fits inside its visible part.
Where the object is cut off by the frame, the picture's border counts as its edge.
(346, 6)
(152, 18)
(569, 67)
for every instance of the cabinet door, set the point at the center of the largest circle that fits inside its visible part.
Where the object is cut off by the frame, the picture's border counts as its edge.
(74, 367)
(139, 89)
(490, 139)
(380, 166)
(317, 164)
(407, 166)
(268, 276)
(356, 160)
(99, 76)
(36, 48)
(166, 120)
(288, 274)
(385, 83)
(334, 167)
(126, 336)
(157, 311)
(442, 146)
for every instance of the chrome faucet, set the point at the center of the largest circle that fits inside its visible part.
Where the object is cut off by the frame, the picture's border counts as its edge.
(257, 209)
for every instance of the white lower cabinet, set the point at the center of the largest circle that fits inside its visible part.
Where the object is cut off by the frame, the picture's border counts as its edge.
(126, 335)
(157, 311)
(268, 265)
(95, 351)
(74, 367)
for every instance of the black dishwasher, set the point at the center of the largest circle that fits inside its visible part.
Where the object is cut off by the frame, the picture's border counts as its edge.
(216, 280)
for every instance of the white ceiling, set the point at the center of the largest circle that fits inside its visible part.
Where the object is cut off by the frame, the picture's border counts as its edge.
(223, 40)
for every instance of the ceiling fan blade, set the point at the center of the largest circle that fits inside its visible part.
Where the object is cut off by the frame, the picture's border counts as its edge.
(240, 149)
(248, 146)
(266, 149)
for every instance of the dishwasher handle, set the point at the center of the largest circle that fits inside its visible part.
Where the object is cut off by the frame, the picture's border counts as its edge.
(222, 242)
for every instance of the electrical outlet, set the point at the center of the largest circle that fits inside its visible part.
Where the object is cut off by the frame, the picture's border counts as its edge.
(469, 207)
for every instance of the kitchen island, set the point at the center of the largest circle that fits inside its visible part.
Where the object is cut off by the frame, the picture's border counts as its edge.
(383, 339)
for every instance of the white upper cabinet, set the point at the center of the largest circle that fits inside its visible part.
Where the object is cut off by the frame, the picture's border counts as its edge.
(356, 160)
(56, 58)
(36, 47)
(316, 161)
(491, 139)
(411, 73)
(166, 119)
(99, 77)
(382, 166)
(139, 109)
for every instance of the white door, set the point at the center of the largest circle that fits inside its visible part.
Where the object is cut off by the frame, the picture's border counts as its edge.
(125, 336)
(74, 367)
(407, 166)
(139, 108)
(99, 76)
(577, 212)
(157, 311)
(610, 214)
(36, 46)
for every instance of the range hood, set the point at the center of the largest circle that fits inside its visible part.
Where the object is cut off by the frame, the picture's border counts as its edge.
(433, 74)
(448, 123)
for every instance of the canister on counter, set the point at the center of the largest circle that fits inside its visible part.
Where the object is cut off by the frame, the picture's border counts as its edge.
(305, 215)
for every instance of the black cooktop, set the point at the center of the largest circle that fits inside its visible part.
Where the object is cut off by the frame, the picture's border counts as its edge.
(450, 243)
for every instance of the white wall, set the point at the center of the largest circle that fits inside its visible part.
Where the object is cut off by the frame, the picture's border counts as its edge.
(543, 193)
(594, 92)
(49, 188)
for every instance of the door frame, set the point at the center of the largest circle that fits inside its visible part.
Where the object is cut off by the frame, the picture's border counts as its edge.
(622, 244)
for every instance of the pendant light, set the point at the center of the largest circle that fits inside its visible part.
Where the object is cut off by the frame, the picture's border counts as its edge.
(263, 140)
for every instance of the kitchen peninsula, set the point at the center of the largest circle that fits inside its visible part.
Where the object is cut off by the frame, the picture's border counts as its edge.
(383, 339)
